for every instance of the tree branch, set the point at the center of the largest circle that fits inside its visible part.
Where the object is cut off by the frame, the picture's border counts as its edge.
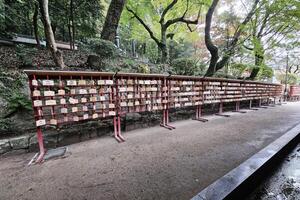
(182, 18)
(171, 5)
(145, 26)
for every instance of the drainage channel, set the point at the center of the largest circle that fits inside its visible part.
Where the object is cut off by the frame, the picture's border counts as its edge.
(283, 182)
(272, 173)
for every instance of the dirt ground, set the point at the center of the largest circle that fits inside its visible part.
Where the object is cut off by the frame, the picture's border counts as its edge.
(153, 163)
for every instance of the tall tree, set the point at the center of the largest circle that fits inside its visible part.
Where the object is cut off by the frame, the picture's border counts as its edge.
(35, 24)
(56, 54)
(274, 21)
(109, 31)
(165, 23)
(217, 62)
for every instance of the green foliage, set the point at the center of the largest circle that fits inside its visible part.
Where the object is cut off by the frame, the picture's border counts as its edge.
(5, 125)
(143, 68)
(103, 48)
(18, 101)
(237, 69)
(265, 72)
(184, 66)
(25, 54)
(292, 78)
(16, 17)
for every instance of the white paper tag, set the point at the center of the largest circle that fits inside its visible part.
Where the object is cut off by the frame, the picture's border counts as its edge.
(101, 82)
(71, 82)
(48, 82)
(129, 89)
(74, 109)
(82, 82)
(93, 99)
(84, 108)
(53, 121)
(123, 104)
(111, 113)
(50, 102)
(83, 100)
(82, 91)
(36, 93)
(76, 118)
(49, 93)
(92, 91)
(34, 82)
(63, 101)
(85, 116)
(73, 91)
(37, 103)
(61, 92)
(40, 122)
(102, 98)
(64, 110)
(109, 82)
(122, 89)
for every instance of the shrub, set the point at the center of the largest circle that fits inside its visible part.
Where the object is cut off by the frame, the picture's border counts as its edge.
(184, 66)
(237, 69)
(26, 54)
(103, 48)
(18, 101)
(143, 68)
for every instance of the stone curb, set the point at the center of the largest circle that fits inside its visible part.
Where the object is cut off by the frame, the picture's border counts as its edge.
(236, 183)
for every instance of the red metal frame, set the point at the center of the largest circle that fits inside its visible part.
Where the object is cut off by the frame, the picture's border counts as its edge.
(217, 91)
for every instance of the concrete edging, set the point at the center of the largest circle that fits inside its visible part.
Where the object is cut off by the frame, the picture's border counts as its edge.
(234, 183)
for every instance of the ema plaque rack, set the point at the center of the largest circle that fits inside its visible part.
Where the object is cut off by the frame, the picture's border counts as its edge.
(66, 97)
(294, 93)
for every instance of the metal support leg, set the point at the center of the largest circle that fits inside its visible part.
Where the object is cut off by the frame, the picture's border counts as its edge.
(41, 145)
(237, 108)
(221, 111)
(259, 105)
(165, 120)
(117, 129)
(250, 106)
(199, 114)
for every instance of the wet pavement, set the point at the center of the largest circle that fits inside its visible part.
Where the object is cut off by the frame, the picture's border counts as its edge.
(284, 182)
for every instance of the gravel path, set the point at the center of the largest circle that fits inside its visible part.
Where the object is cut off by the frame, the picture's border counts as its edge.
(153, 163)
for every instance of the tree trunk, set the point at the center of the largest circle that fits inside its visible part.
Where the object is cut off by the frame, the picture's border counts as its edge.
(112, 19)
(214, 51)
(163, 46)
(35, 24)
(9, 23)
(259, 58)
(216, 65)
(72, 24)
(56, 54)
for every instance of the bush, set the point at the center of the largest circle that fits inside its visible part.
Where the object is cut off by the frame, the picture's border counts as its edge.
(143, 68)
(26, 54)
(184, 66)
(237, 69)
(16, 102)
(103, 48)
(265, 72)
